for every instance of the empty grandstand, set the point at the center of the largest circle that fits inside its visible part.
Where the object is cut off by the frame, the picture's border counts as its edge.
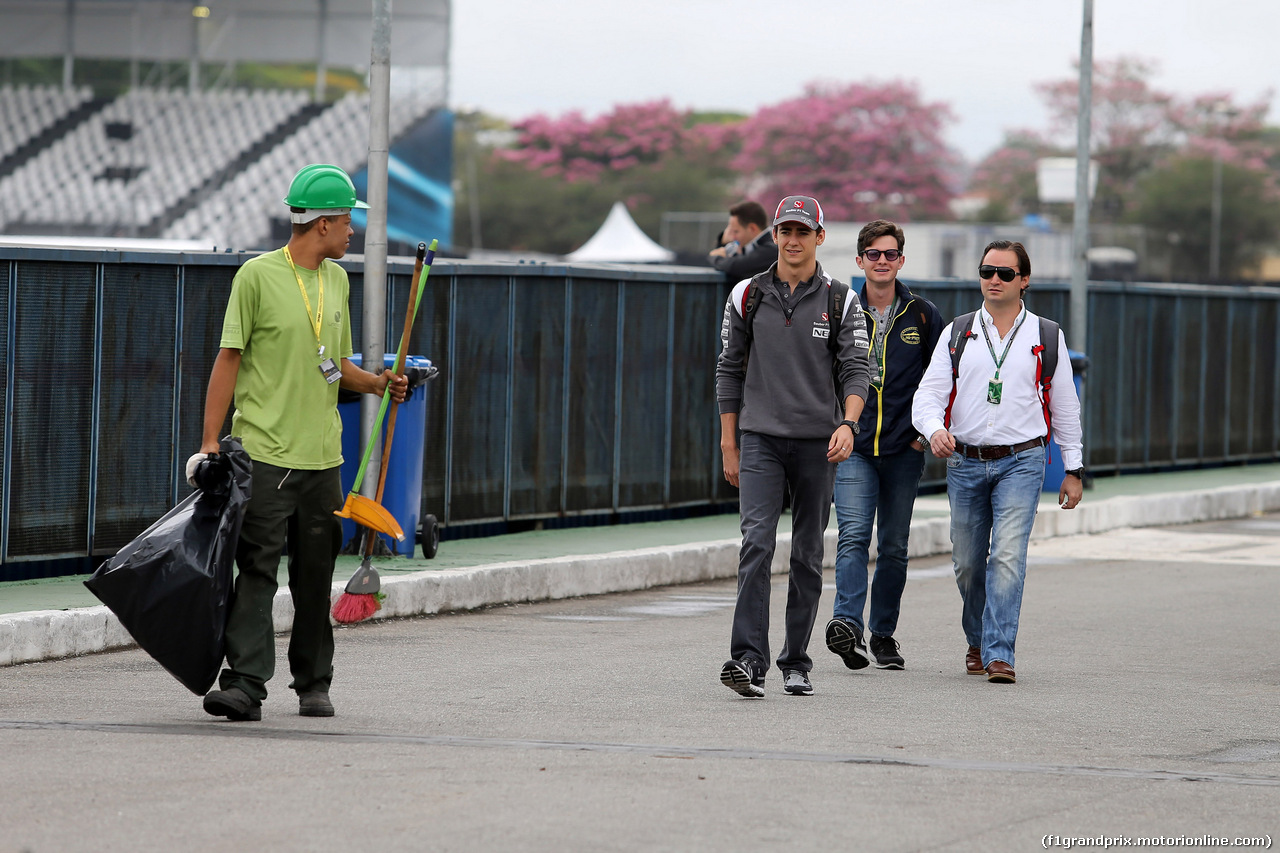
(195, 161)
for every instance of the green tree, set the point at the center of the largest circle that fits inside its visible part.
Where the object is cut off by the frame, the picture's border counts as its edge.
(1175, 199)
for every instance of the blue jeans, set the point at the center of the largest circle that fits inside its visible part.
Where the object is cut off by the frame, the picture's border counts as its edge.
(993, 506)
(880, 489)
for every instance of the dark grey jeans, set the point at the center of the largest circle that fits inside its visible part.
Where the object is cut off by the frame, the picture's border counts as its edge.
(295, 507)
(768, 465)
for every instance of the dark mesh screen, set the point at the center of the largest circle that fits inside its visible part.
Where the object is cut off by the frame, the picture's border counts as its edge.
(695, 420)
(480, 404)
(355, 307)
(431, 338)
(593, 346)
(7, 270)
(1215, 405)
(204, 304)
(1135, 377)
(537, 425)
(644, 377)
(52, 409)
(1159, 385)
(135, 422)
(1189, 377)
(1241, 392)
(1266, 376)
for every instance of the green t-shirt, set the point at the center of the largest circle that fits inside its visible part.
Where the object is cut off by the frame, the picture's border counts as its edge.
(286, 413)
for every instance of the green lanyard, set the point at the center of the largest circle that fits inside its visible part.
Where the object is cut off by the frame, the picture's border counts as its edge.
(995, 387)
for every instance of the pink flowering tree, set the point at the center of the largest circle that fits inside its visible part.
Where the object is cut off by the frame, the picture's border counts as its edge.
(632, 136)
(863, 150)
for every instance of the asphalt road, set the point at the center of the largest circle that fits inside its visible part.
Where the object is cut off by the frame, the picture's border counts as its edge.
(1146, 705)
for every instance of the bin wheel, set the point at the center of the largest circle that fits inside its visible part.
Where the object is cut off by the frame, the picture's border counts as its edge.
(430, 537)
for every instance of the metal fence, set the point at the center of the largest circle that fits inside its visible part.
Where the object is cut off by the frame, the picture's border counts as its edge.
(564, 391)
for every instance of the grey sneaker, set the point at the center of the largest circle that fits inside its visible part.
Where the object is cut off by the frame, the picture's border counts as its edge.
(844, 638)
(796, 682)
(314, 703)
(744, 677)
(886, 654)
(234, 704)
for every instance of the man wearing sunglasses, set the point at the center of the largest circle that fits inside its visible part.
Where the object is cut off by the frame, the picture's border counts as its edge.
(991, 421)
(774, 379)
(878, 482)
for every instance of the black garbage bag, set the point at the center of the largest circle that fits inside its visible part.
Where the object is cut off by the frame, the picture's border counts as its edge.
(171, 587)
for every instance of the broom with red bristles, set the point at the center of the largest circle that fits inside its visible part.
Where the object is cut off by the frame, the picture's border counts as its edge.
(362, 598)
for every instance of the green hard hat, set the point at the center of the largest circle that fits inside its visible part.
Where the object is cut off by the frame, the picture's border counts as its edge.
(322, 187)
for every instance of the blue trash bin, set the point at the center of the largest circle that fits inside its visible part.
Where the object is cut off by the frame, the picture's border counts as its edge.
(1055, 472)
(402, 495)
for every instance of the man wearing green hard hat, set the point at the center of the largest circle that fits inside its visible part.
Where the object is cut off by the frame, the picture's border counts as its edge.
(286, 338)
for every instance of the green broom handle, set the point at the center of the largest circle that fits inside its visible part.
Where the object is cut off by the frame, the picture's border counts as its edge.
(386, 395)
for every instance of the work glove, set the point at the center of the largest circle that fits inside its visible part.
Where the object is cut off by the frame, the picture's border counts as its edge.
(192, 464)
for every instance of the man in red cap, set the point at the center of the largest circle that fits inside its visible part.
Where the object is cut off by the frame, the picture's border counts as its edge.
(788, 331)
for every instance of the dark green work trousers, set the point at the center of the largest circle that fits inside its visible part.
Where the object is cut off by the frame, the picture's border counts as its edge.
(296, 507)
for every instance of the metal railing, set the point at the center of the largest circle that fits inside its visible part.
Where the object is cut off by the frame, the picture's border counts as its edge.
(565, 390)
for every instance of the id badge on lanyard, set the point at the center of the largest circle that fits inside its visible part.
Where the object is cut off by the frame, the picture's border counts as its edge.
(328, 369)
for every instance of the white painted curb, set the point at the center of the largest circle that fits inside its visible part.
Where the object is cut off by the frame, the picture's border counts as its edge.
(50, 634)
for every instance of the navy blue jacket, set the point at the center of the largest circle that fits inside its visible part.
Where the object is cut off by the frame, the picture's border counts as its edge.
(914, 330)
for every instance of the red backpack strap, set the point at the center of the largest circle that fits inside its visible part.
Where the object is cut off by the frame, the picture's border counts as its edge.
(1044, 382)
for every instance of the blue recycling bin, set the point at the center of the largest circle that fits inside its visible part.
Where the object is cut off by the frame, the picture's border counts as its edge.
(1055, 472)
(402, 495)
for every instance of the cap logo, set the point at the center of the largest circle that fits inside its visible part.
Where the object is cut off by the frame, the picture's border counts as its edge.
(799, 203)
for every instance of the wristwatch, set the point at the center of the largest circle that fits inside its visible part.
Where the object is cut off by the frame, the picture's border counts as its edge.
(852, 425)
(1078, 473)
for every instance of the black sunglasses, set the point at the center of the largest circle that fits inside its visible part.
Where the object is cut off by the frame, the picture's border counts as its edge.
(889, 254)
(1005, 273)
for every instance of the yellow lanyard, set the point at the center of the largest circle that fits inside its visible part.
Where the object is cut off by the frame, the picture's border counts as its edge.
(305, 299)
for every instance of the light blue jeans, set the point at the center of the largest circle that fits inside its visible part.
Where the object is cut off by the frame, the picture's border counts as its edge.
(880, 489)
(993, 506)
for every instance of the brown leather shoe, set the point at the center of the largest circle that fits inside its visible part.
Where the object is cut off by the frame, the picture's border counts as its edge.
(973, 661)
(1000, 672)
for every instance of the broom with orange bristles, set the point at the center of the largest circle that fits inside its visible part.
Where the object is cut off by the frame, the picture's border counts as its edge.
(362, 598)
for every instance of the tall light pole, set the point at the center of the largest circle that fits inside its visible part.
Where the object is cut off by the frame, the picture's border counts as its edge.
(1080, 221)
(375, 232)
(1215, 217)
(1222, 113)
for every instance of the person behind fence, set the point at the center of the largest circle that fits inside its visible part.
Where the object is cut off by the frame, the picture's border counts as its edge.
(789, 330)
(285, 341)
(998, 386)
(748, 248)
(878, 482)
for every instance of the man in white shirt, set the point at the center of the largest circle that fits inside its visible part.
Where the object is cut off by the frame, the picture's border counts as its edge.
(990, 421)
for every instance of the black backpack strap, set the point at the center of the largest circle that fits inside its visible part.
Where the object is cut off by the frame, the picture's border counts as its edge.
(836, 295)
(961, 331)
(750, 302)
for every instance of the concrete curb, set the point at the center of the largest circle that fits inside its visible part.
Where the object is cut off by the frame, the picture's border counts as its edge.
(50, 634)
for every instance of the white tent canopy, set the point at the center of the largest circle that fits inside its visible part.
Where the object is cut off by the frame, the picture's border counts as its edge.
(620, 240)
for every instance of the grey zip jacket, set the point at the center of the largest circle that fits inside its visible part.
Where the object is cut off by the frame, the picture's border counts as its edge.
(786, 388)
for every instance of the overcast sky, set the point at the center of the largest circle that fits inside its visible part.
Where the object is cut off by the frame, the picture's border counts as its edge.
(515, 57)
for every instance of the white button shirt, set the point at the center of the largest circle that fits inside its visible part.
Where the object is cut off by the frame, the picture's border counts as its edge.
(1019, 416)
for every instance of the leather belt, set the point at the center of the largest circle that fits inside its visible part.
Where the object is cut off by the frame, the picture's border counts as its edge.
(991, 452)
